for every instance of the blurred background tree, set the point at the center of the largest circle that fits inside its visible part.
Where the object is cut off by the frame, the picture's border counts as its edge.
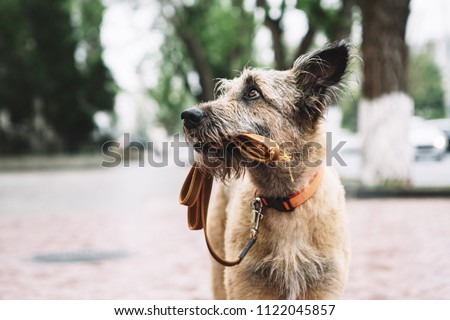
(425, 85)
(52, 76)
(385, 110)
(205, 40)
(209, 39)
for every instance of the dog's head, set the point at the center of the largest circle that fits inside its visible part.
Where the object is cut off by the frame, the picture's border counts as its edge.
(284, 106)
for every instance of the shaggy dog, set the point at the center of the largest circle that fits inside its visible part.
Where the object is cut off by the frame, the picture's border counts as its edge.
(302, 252)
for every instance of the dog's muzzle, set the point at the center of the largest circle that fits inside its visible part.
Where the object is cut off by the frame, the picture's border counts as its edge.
(192, 117)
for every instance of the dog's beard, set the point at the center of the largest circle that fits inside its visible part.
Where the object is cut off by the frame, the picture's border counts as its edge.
(218, 155)
(224, 160)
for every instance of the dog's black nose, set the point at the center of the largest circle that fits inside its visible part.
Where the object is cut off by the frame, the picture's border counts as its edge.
(192, 117)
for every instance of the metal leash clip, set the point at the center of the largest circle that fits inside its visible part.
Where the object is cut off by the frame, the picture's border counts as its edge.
(257, 216)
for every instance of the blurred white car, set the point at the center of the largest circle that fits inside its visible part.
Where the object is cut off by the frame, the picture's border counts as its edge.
(444, 125)
(427, 139)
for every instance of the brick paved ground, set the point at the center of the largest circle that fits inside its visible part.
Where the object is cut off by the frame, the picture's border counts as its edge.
(400, 246)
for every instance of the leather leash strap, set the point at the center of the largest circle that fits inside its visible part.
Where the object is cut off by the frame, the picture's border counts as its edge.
(196, 190)
(195, 194)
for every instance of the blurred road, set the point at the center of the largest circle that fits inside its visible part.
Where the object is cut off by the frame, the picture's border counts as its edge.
(400, 246)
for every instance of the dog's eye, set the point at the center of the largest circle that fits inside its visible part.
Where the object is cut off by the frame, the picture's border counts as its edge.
(252, 94)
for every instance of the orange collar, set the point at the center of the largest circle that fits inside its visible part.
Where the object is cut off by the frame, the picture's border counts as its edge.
(291, 202)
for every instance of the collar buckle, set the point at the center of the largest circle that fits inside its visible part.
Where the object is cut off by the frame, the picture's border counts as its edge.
(280, 204)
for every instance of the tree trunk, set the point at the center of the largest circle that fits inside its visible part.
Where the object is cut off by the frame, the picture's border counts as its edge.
(343, 26)
(199, 60)
(307, 41)
(277, 41)
(386, 109)
(274, 26)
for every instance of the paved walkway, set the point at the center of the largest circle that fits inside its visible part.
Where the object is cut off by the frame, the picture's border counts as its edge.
(400, 246)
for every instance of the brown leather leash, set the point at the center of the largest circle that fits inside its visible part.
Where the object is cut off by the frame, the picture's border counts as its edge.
(196, 191)
(195, 194)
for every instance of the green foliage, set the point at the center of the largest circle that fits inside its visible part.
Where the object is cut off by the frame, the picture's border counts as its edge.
(349, 107)
(217, 26)
(425, 85)
(204, 40)
(350, 100)
(209, 39)
(39, 74)
(334, 21)
(171, 90)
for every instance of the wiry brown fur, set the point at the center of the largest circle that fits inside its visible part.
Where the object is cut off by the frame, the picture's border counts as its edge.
(302, 254)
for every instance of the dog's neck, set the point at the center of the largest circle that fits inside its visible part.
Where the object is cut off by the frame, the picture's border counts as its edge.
(285, 179)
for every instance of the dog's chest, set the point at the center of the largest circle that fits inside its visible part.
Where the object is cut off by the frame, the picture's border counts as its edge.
(290, 263)
(283, 257)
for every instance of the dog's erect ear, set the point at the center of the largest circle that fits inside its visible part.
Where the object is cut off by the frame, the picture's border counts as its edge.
(318, 72)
